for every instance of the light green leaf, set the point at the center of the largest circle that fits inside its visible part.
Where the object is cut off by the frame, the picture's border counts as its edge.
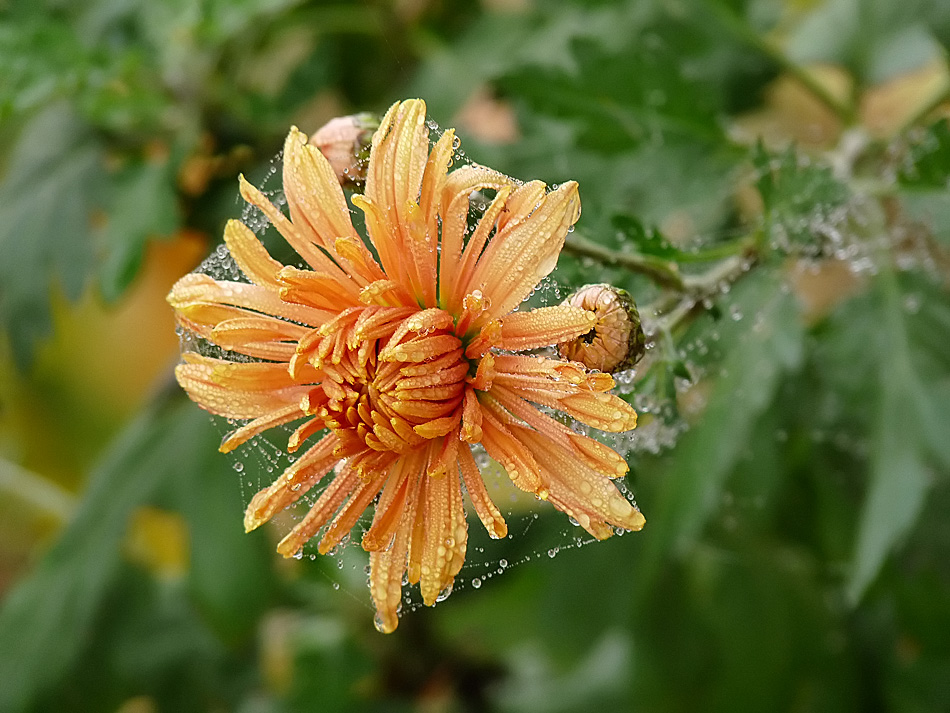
(874, 39)
(800, 198)
(899, 484)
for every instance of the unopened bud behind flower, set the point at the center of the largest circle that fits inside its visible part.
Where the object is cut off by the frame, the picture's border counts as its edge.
(345, 141)
(616, 342)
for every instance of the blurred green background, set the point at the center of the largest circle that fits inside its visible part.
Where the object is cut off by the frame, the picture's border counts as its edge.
(794, 449)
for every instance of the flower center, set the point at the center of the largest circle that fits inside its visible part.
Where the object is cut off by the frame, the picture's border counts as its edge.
(393, 379)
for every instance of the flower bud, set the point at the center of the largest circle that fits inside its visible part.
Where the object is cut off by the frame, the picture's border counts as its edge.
(616, 342)
(345, 141)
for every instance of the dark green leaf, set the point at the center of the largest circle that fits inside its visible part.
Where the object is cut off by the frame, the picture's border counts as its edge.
(620, 100)
(230, 574)
(768, 346)
(47, 199)
(926, 164)
(45, 619)
(142, 205)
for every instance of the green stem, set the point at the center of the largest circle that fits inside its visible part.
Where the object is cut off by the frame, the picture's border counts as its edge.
(701, 287)
(719, 252)
(664, 272)
(27, 487)
(846, 112)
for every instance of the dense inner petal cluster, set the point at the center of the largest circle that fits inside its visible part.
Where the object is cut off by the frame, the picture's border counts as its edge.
(393, 368)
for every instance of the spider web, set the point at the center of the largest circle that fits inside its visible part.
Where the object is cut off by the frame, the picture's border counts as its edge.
(537, 532)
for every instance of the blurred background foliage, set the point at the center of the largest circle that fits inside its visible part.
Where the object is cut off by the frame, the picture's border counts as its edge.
(768, 178)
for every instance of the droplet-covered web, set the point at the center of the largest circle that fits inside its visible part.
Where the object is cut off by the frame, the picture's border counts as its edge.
(537, 532)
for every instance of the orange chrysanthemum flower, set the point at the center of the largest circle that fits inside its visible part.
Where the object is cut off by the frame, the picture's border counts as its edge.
(408, 361)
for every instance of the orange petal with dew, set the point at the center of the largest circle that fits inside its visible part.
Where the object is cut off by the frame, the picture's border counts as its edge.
(600, 410)
(386, 569)
(258, 426)
(523, 253)
(293, 482)
(544, 327)
(320, 513)
(314, 195)
(196, 379)
(250, 255)
(481, 501)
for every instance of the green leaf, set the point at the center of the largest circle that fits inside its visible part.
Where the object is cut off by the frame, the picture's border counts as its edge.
(230, 575)
(767, 345)
(801, 199)
(47, 616)
(646, 241)
(143, 204)
(926, 164)
(912, 418)
(47, 199)
(618, 100)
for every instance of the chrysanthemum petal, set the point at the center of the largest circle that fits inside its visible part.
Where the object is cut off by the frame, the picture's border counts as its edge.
(321, 511)
(600, 410)
(523, 253)
(195, 377)
(445, 536)
(386, 568)
(502, 446)
(299, 237)
(354, 508)
(455, 207)
(258, 426)
(250, 255)
(585, 495)
(486, 510)
(256, 328)
(293, 482)
(398, 156)
(314, 195)
(392, 502)
(544, 326)
(198, 289)
(471, 418)
(433, 180)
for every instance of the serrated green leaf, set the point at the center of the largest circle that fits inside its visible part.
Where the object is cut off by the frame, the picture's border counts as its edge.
(619, 100)
(646, 241)
(799, 198)
(47, 199)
